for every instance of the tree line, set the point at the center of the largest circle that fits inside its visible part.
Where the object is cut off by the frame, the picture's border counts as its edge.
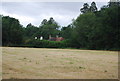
(92, 29)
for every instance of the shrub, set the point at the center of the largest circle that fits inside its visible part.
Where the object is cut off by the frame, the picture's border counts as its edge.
(47, 44)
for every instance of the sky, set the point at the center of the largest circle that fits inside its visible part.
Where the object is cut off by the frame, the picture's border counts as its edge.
(35, 12)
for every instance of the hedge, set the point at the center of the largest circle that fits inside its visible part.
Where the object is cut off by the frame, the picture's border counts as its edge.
(48, 44)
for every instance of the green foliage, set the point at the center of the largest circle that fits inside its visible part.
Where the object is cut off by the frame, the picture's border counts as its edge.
(47, 28)
(114, 3)
(48, 44)
(85, 25)
(11, 31)
(93, 7)
(98, 30)
(29, 31)
(66, 32)
(86, 8)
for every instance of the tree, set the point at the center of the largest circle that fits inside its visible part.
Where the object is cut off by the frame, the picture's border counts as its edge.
(110, 21)
(114, 3)
(49, 28)
(30, 31)
(85, 8)
(66, 32)
(93, 7)
(44, 22)
(1, 30)
(98, 30)
(51, 21)
(12, 31)
(85, 25)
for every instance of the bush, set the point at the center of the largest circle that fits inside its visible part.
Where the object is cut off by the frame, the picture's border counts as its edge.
(48, 44)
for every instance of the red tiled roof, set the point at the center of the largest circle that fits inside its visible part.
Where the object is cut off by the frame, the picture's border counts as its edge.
(56, 39)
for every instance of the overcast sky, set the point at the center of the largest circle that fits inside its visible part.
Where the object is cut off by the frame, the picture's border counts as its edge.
(35, 12)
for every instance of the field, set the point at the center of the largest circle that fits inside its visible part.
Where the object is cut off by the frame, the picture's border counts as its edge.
(43, 63)
(0, 63)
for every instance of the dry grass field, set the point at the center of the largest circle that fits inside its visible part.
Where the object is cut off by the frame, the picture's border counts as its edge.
(0, 63)
(42, 63)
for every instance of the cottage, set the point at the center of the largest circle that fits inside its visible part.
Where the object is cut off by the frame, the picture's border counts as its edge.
(56, 38)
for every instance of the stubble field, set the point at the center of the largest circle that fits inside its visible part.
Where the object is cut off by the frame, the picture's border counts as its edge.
(43, 63)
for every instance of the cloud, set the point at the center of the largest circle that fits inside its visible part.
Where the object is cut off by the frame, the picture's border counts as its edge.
(22, 19)
(54, 0)
(35, 12)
